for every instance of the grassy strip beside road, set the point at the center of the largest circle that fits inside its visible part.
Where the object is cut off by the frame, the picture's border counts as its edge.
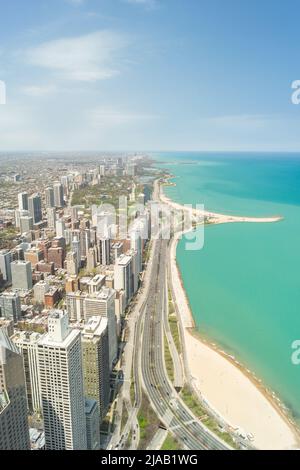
(148, 423)
(173, 321)
(198, 409)
(124, 417)
(168, 360)
(171, 443)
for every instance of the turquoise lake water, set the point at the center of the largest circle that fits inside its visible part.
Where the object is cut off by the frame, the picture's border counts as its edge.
(244, 285)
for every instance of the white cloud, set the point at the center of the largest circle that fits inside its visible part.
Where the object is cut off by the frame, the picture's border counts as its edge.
(38, 91)
(86, 58)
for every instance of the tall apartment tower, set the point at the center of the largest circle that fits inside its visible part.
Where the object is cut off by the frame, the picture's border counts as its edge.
(35, 207)
(10, 306)
(77, 250)
(23, 201)
(102, 304)
(51, 217)
(21, 272)
(61, 385)
(136, 244)
(60, 227)
(92, 418)
(5, 260)
(26, 223)
(58, 195)
(14, 430)
(123, 276)
(49, 197)
(104, 247)
(26, 343)
(95, 355)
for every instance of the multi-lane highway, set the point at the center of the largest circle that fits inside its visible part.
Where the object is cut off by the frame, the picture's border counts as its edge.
(144, 359)
(165, 400)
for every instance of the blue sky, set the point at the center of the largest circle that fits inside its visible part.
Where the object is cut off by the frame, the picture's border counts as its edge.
(149, 74)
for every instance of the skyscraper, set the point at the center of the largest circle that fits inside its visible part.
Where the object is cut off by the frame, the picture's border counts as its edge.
(123, 276)
(58, 194)
(5, 261)
(51, 217)
(60, 228)
(10, 306)
(26, 223)
(35, 207)
(103, 304)
(61, 382)
(23, 201)
(76, 249)
(104, 255)
(72, 267)
(95, 354)
(26, 343)
(49, 197)
(137, 245)
(92, 418)
(14, 431)
(21, 272)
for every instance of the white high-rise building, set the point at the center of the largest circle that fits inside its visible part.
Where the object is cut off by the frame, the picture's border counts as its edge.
(27, 344)
(123, 276)
(75, 305)
(91, 259)
(61, 385)
(23, 201)
(95, 284)
(51, 217)
(18, 215)
(21, 272)
(60, 228)
(72, 266)
(40, 289)
(77, 250)
(26, 224)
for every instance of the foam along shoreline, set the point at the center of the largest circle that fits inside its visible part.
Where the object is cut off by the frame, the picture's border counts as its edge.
(231, 390)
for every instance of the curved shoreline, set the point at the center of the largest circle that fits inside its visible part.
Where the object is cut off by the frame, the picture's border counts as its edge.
(228, 368)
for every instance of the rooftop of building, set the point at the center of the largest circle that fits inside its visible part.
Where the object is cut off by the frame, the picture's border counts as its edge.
(95, 326)
(90, 405)
(123, 260)
(97, 279)
(20, 263)
(26, 336)
(10, 294)
(56, 314)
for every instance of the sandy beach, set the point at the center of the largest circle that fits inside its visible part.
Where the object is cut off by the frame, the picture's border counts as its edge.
(229, 389)
(213, 216)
